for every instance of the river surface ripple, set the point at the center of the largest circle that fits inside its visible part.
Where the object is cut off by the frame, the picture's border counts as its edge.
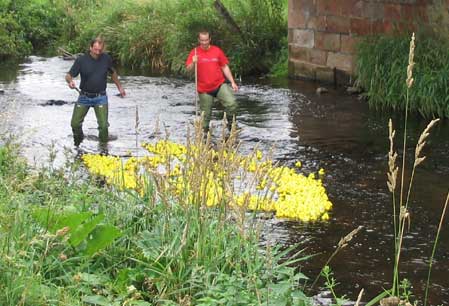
(333, 131)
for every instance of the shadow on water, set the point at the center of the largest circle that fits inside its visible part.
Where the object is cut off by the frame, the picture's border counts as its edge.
(333, 131)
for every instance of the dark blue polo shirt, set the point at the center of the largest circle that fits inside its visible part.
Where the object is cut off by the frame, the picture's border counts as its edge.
(94, 72)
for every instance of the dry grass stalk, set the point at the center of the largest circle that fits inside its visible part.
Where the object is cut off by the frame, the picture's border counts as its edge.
(341, 245)
(346, 239)
(136, 129)
(422, 142)
(411, 63)
(434, 248)
(359, 298)
(409, 83)
(392, 155)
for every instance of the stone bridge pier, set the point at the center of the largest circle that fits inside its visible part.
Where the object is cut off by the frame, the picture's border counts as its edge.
(322, 34)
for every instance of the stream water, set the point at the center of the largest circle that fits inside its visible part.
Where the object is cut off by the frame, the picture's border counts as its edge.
(333, 131)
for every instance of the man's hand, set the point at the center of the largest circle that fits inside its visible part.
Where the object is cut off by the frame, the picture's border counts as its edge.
(72, 84)
(195, 59)
(122, 92)
(234, 86)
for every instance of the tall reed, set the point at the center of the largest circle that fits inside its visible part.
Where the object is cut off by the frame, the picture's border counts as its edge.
(401, 214)
(434, 248)
(380, 62)
(159, 34)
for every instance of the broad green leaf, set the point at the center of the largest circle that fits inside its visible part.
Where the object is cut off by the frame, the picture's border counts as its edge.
(139, 303)
(96, 300)
(55, 221)
(72, 220)
(300, 298)
(299, 275)
(281, 288)
(82, 231)
(93, 279)
(101, 237)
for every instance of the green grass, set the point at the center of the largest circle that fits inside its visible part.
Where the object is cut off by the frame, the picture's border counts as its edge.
(159, 34)
(67, 239)
(381, 71)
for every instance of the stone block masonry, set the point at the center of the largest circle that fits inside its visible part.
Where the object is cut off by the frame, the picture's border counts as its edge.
(323, 34)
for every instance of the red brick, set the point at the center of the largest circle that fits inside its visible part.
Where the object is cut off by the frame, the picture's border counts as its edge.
(414, 13)
(290, 36)
(408, 12)
(317, 23)
(351, 8)
(406, 27)
(392, 12)
(318, 57)
(296, 19)
(360, 26)
(299, 12)
(340, 61)
(373, 10)
(389, 27)
(299, 53)
(307, 6)
(336, 24)
(303, 38)
(328, 7)
(325, 74)
(421, 13)
(327, 41)
(302, 69)
(382, 27)
(349, 44)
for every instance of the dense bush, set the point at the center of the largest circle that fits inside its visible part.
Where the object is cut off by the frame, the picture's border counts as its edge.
(381, 71)
(159, 34)
(12, 37)
(28, 26)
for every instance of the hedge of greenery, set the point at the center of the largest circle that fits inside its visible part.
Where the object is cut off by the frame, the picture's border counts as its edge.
(28, 26)
(149, 34)
(381, 71)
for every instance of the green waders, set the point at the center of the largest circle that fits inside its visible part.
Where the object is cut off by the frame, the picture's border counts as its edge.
(80, 111)
(227, 99)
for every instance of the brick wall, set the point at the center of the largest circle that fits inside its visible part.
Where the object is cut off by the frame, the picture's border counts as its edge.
(322, 34)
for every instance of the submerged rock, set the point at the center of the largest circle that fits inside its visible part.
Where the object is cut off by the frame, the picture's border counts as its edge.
(55, 102)
(321, 90)
(353, 90)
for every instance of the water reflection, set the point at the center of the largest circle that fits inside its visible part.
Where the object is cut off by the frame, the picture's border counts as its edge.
(333, 131)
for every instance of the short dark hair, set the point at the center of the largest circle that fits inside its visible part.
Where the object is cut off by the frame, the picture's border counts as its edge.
(204, 32)
(99, 40)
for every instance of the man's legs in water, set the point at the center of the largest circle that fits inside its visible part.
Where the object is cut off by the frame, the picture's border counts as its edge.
(79, 112)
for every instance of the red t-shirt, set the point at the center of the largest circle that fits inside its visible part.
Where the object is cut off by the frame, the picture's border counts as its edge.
(210, 62)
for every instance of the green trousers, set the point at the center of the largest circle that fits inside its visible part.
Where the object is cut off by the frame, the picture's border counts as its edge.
(226, 97)
(80, 111)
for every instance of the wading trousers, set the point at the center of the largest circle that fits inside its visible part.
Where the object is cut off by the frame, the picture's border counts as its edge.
(80, 111)
(226, 97)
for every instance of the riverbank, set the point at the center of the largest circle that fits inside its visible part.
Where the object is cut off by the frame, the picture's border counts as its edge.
(333, 131)
(153, 35)
(67, 238)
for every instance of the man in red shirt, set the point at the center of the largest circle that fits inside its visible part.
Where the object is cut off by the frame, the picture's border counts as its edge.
(212, 65)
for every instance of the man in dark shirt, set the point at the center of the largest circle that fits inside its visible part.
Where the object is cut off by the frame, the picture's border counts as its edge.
(93, 67)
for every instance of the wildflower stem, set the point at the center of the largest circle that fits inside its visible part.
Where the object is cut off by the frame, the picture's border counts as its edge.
(434, 248)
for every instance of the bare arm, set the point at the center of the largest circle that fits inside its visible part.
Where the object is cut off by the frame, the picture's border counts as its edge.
(115, 79)
(228, 74)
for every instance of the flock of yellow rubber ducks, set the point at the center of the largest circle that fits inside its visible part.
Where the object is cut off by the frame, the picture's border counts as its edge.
(202, 175)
